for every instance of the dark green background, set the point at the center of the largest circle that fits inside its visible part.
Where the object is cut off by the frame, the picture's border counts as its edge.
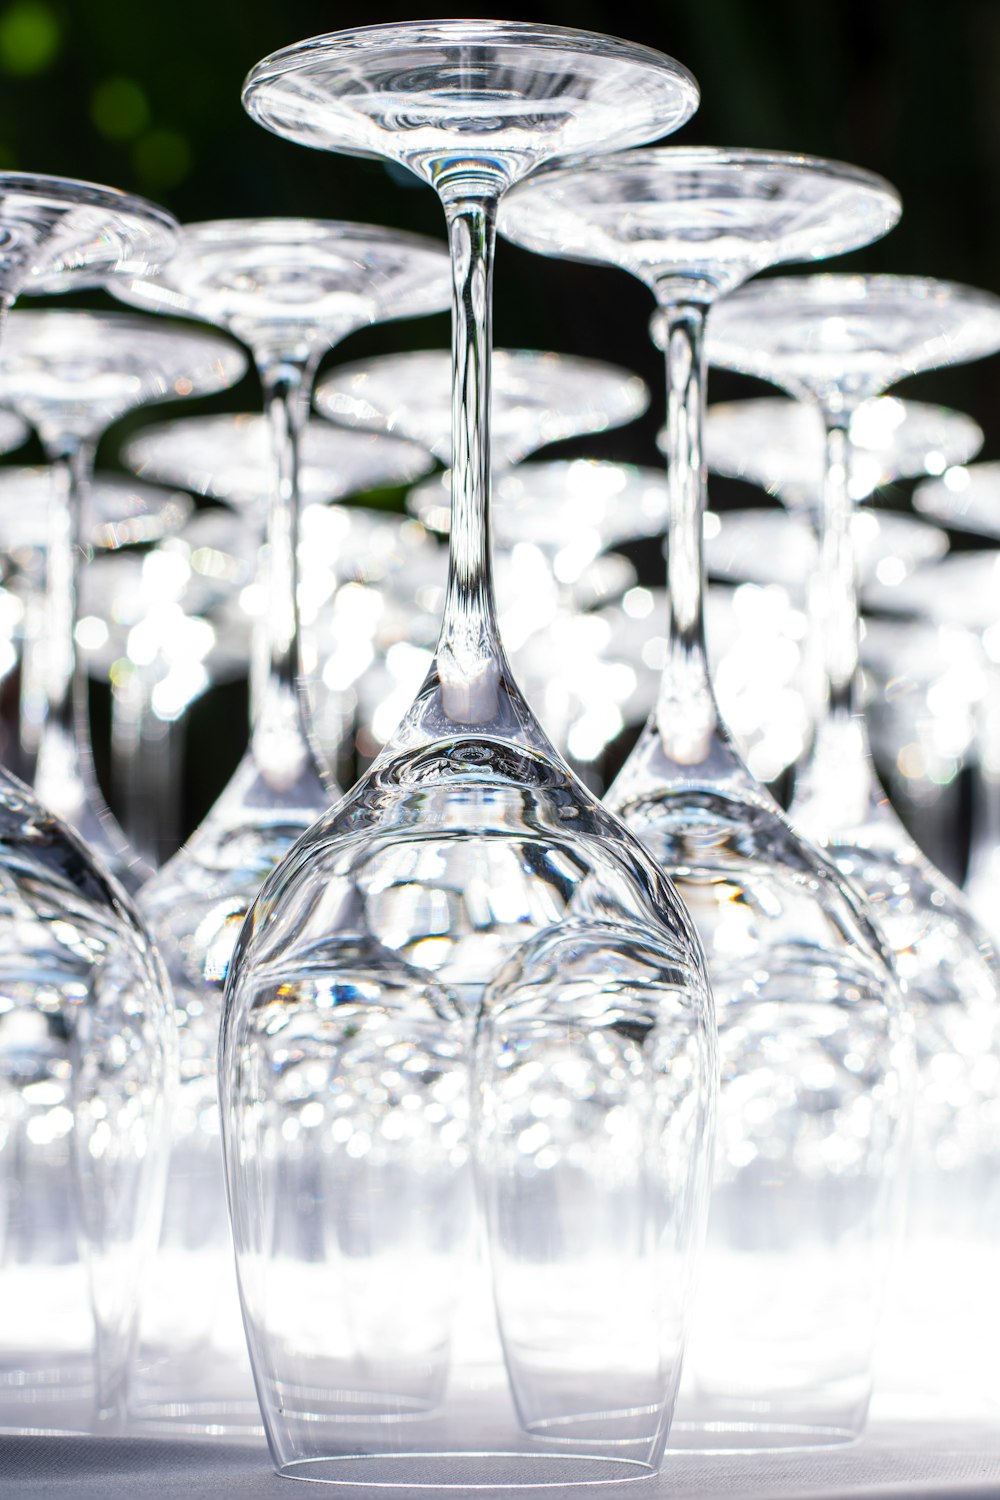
(145, 96)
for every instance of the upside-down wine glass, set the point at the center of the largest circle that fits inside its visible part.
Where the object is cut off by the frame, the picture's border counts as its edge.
(71, 374)
(467, 969)
(120, 513)
(799, 1229)
(290, 289)
(771, 546)
(780, 445)
(537, 398)
(833, 341)
(86, 1032)
(967, 498)
(228, 458)
(13, 432)
(566, 512)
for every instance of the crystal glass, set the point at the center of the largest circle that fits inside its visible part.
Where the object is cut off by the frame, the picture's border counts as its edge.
(290, 289)
(538, 398)
(71, 374)
(60, 234)
(467, 965)
(965, 496)
(780, 445)
(764, 545)
(153, 626)
(119, 513)
(967, 499)
(801, 1224)
(767, 546)
(228, 457)
(834, 341)
(86, 1031)
(564, 513)
(925, 689)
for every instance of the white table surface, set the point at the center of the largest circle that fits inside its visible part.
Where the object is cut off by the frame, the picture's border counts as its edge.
(946, 1461)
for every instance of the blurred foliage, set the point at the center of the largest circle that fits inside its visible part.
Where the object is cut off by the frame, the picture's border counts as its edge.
(147, 97)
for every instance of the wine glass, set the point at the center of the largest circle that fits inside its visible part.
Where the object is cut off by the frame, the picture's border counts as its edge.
(121, 513)
(779, 445)
(467, 960)
(964, 496)
(967, 499)
(538, 398)
(290, 289)
(833, 341)
(227, 457)
(566, 512)
(86, 1031)
(71, 374)
(767, 546)
(784, 1328)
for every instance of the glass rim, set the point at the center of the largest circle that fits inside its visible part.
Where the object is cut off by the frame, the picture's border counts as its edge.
(272, 229)
(294, 57)
(738, 157)
(139, 322)
(78, 192)
(821, 287)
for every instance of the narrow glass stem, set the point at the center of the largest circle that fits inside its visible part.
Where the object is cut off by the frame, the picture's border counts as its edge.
(837, 615)
(278, 720)
(836, 789)
(145, 767)
(986, 782)
(686, 711)
(469, 658)
(65, 774)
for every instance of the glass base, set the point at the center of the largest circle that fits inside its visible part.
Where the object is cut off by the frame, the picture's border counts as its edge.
(196, 1419)
(480, 1471)
(755, 1437)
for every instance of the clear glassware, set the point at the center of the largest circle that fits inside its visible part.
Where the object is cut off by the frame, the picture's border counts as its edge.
(228, 456)
(152, 626)
(780, 445)
(766, 546)
(71, 374)
(538, 398)
(290, 289)
(120, 513)
(834, 341)
(467, 965)
(784, 1327)
(571, 509)
(86, 1031)
(564, 513)
(965, 496)
(925, 686)
(62, 235)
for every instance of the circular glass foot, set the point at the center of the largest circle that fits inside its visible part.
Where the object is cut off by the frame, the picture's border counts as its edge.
(754, 1437)
(473, 1471)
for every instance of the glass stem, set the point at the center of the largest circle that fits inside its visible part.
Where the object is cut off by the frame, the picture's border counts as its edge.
(835, 786)
(65, 774)
(686, 711)
(146, 767)
(469, 657)
(684, 742)
(985, 833)
(279, 736)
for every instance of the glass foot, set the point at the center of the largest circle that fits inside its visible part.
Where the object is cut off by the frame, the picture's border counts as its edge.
(755, 1437)
(481, 1471)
